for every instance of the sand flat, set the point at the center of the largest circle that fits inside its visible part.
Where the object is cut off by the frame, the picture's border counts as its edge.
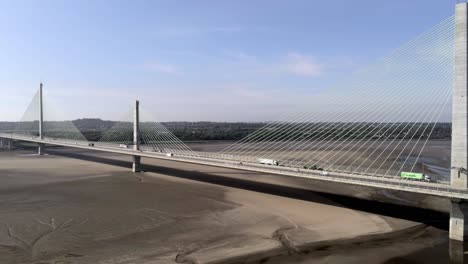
(54, 209)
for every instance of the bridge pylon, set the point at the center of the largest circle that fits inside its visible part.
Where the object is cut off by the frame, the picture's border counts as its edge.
(40, 150)
(136, 167)
(459, 158)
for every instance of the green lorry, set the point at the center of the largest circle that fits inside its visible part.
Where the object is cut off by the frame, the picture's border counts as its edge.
(415, 176)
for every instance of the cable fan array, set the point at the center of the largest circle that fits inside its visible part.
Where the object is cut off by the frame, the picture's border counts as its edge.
(55, 125)
(29, 122)
(153, 136)
(377, 122)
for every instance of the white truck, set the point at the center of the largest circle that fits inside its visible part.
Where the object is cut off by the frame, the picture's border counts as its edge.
(123, 146)
(268, 162)
(169, 154)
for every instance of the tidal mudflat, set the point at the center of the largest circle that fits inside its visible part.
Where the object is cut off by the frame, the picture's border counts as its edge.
(75, 206)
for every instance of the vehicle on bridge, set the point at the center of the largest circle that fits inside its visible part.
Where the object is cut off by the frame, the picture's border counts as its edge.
(324, 173)
(268, 162)
(415, 176)
(123, 146)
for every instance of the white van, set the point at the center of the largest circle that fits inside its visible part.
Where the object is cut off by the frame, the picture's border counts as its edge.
(268, 162)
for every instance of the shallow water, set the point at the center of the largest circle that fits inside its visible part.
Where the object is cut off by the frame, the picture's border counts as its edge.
(430, 246)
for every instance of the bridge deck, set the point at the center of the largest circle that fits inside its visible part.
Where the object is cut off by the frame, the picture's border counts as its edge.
(429, 188)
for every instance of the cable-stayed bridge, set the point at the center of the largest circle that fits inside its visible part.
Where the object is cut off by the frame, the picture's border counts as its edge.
(369, 130)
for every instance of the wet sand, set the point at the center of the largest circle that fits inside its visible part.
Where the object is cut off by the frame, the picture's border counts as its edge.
(425, 246)
(83, 207)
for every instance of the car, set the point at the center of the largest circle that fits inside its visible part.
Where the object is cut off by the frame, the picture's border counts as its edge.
(268, 162)
(91, 144)
(123, 146)
(324, 173)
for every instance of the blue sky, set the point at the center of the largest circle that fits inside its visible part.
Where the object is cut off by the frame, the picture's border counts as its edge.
(195, 60)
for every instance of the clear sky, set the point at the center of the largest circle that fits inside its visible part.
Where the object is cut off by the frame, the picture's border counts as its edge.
(243, 60)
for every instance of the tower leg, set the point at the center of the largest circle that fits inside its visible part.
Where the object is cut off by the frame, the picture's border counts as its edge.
(136, 137)
(40, 149)
(458, 226)
(136, 164)
(459, 157)
(457, 252)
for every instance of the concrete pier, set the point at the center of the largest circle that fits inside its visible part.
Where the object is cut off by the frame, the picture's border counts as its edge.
(457, 252)
(458, 225)
(459, 162)
(40, 149)
(5, 144)
(136, 167)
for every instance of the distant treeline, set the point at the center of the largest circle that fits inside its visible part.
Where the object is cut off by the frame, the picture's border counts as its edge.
(190, 131)
(343, 131)
(93, 129)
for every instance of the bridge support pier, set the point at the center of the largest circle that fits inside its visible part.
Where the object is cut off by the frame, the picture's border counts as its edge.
(5, 144)
(136, 167)
(458, 226)
(40, 149)
(457, 252)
